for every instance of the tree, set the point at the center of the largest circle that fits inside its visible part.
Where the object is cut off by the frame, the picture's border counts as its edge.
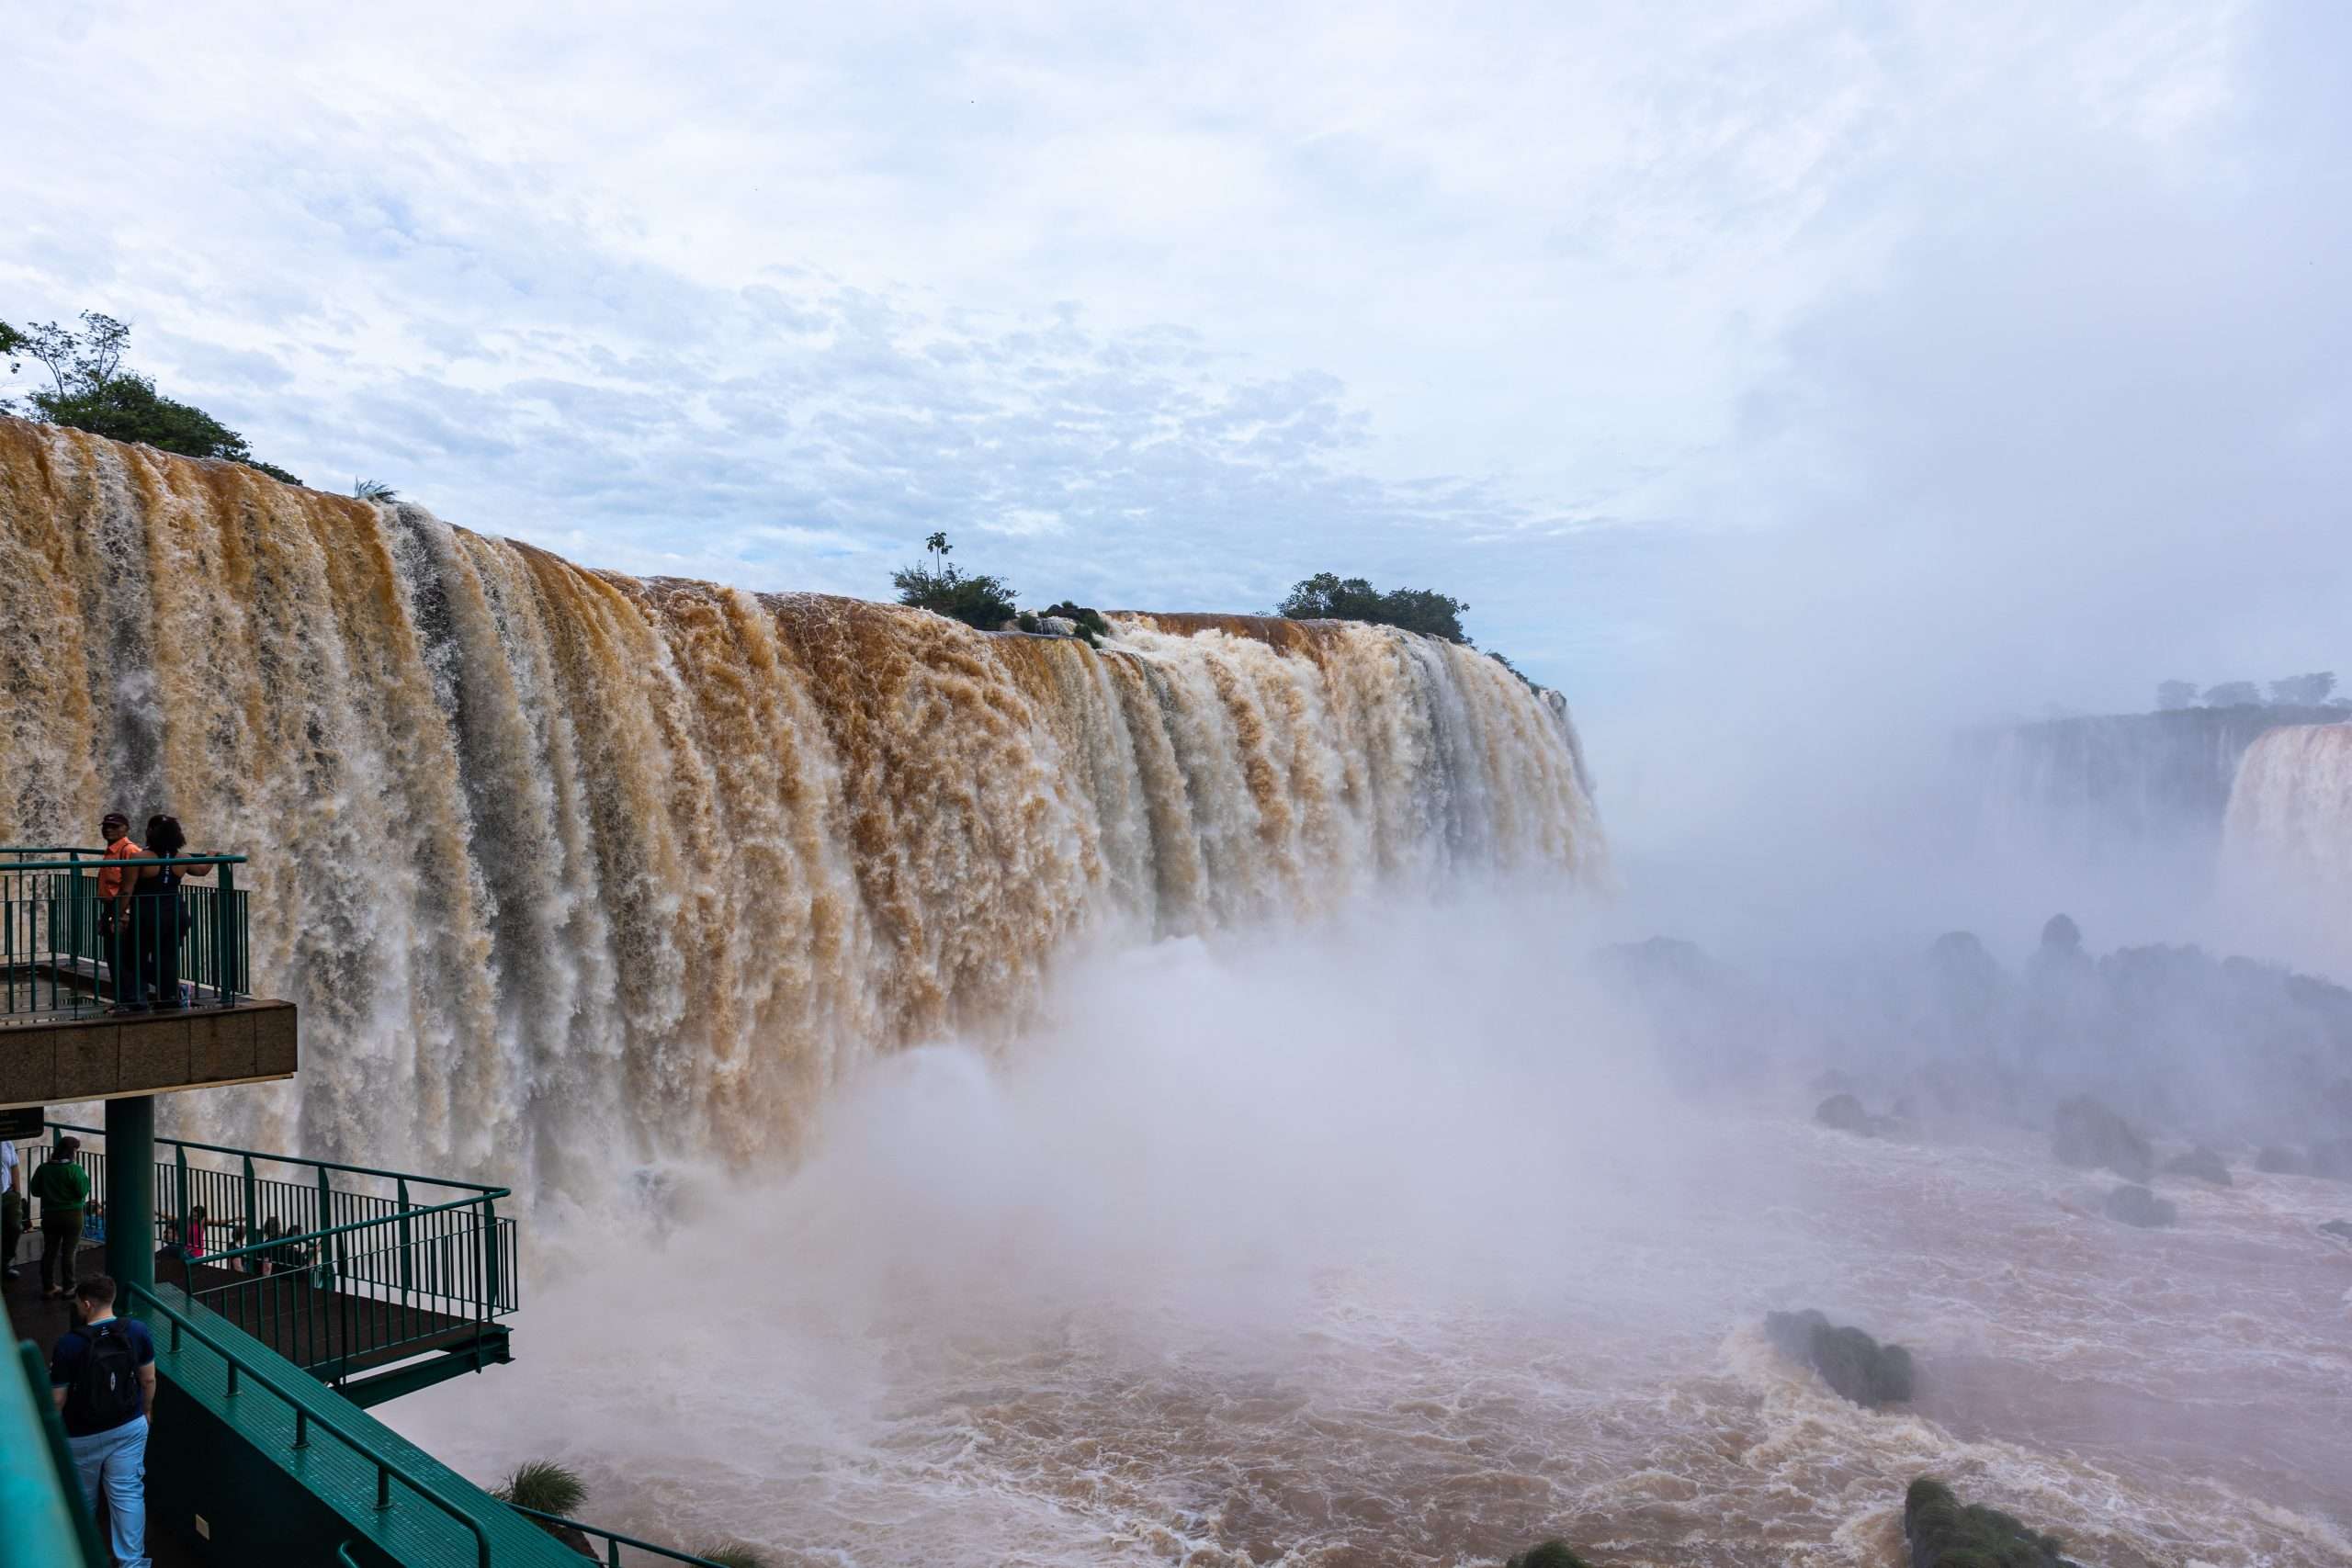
(2233, 694)
(2174, 696)
(374, 489)
(2303, 690)
(91, 390)
(1326, 596)
(979, 600)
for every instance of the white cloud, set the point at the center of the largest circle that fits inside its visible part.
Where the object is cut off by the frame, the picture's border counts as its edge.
(1522, 301)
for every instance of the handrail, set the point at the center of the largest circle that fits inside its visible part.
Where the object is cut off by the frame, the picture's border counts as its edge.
(614, 1540)
(431, 1267)
(119, 862)
(43, 1516)
(386, 1469)
(214, 1256)
(474, 1187)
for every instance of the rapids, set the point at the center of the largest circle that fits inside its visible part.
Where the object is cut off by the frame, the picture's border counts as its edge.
(1387, 1245)
(568, 869)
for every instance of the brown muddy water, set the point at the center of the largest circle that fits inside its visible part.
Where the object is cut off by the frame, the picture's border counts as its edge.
(1130, 1303)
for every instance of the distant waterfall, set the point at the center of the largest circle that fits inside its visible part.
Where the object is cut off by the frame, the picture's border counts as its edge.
(2287, 849)
(565, 866)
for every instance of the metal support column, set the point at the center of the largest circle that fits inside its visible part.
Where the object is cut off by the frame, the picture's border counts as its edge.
(131, 1192)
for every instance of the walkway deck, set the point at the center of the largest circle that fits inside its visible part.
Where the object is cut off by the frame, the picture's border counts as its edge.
(313, 1329)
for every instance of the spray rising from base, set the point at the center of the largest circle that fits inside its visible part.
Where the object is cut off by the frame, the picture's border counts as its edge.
(1385, 1244)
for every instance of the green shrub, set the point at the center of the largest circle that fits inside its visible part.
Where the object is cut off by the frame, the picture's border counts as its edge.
(1090, 624)
(979, 600)
(545, 1487)
(1326, 596)
(731, 1554)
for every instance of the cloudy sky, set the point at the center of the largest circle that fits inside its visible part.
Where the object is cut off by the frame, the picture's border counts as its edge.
(1714, 352)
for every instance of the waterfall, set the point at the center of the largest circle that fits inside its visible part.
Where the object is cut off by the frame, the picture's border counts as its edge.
(2287, 842)
(568, 869)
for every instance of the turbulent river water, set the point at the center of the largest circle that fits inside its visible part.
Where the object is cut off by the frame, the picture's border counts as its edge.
(1383, 1245)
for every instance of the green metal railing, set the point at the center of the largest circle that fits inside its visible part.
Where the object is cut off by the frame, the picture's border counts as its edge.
(65, 951)
(42, 1517)
(614, 1541)
(243, 1372)
(347, 1275)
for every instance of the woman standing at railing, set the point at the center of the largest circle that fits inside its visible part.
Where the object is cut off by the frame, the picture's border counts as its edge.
(161, 917)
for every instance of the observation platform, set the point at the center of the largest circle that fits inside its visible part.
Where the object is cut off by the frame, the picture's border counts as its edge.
(81, 976)
(316, 1291)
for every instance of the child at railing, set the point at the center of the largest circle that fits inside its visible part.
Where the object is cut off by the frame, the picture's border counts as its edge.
(184, 1239)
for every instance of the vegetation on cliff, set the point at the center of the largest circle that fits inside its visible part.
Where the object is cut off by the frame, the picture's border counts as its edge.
(91, 389)
(1326, 596)
(977, 599)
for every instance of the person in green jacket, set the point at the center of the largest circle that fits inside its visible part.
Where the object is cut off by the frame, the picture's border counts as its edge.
(64, 1189)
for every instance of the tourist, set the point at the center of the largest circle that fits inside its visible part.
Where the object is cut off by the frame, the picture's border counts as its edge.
(188, 1236)
(12, 1227)
(64, 1189)
(114, 913)
(157, 899)
(102, 1375)
(12, 1207)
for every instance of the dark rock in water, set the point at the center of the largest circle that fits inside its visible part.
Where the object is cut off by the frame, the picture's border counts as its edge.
(1551, 1554)
(2061, 935)
(1944, 1532)
(2276, 1161)
(2138, 1206)
(2333, 1159)
(2089, 1135)
(1844, 1113)
(2202, 1163)
(1857, 1366)
(2337, 1228)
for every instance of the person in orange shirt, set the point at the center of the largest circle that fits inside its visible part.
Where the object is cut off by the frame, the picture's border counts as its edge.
(115, 884)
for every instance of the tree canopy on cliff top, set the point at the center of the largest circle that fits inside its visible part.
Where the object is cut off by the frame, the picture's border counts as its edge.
(975, 599)
(92, 390)
(1326, 596)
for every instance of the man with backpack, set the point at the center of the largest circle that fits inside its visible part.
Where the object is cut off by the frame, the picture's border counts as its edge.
(102, 1375)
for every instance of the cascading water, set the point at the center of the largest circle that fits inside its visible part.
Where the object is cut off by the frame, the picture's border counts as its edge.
(2287, 842)
(550, 856)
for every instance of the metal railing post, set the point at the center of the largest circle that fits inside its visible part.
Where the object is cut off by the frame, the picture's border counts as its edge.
(407, 1277)
(489, 1294)
(225, 931)
(252, 1202)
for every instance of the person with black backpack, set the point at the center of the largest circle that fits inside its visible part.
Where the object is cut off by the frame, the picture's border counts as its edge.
(102, 1375)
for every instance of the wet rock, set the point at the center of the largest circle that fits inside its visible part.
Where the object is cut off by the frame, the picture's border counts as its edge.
(2138, 1206)
(2202, 1163)
(2332, 1160)
(1844, 1113)
(2337, 1228)
(1550, 1555)
(1847, 1114)
(2089, 1136)
(1944, 1532)
(1852, 1363)
(2276, 1160)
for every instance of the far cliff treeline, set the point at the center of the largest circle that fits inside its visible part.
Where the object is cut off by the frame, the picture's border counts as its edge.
(2119, 782)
